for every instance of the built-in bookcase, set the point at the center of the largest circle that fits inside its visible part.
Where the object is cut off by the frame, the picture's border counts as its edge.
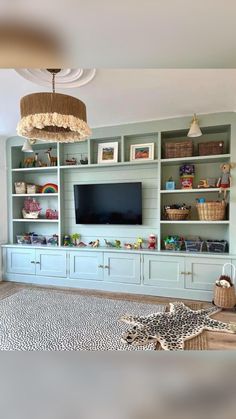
(153, 174)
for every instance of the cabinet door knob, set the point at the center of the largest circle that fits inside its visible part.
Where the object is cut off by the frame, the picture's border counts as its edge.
(106, 266)
(32, 261)
(188, 273)
(182, 273)
(100, 266)
(38, 263)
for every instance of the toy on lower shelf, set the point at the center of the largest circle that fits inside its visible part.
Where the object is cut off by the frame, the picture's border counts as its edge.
(118, 244)
(173, 243)
(49, 188)
(128, 246)
(94, 243)
(51, 214)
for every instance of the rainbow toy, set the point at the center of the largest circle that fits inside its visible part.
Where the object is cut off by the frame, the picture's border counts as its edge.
(50, 188)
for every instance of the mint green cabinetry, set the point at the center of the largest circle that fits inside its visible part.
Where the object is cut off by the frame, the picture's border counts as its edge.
(164, 271)
(122, 268)
(201, 273)
(20, 261)
(50, 263)
(86, 265)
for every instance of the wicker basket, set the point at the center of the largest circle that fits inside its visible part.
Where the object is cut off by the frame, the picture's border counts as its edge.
(211, 211)
(179, 149)
(177, 214)
(225, 297)
(20, 187)
(214, 147)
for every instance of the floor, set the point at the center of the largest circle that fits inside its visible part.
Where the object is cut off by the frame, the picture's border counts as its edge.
(217, 341)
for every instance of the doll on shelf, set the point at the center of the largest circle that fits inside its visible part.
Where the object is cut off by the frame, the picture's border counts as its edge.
(224, 182)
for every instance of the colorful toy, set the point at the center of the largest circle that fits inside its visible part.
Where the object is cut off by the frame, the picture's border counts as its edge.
(152, 241)
(94, 243)
(31, 208)
(118, 244)
(51, 214)
(82, 244)
(66, 240)
(75, 239)
(139, 243)
(53, 240)
(173, 242)
(187, 172)
(50, 188)
(225, 180)
(109, 244)
(170, 184)
(128, 246)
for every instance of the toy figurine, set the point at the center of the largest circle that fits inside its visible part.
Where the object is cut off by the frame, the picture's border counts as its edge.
(152, 241)
(139, 242)
(75, 239)
(82, 244)
(128, 246)
(109, 244)
(66, 240)
(118, 244)
(225, 179)
(94, 243)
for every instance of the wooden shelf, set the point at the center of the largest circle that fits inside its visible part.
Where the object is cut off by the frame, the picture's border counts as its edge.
(36, 169)
(194, 222)
(34, 194)
(103, 165)
(33, 220)
(196, 159)
(200, 190)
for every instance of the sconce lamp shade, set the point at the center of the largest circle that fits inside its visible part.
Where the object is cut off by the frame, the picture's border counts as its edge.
(27, 147)
(194, 128)
(53, 117)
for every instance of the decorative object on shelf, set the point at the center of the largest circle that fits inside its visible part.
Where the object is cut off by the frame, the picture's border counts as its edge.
(29, 162)
(52, 159)
(67, 240)
(49, 188)
(84, 159)
(201, 200)
(31, 208)
(194, 245)
(142, 151)
(173, 243)
(207, 183)
(128, 246)
(174, 327)
(23, 238)
(51, 214)
(38, 239)
(32, 189)
(27, 146)
(216, 246)
(52, 240)
(224, 291)
(177, 212)
(194, 130)
(82, 244)
(108, 152)
(53, 116)
(187, 172)
(170, 184)
(182, 148)
(75, 238)
(139, 243)
(20, 187)
(152, 241)
(71, 162)
(108, 243)
(118, 244)
(211, 148)
(211, 210)
(94, 243)
(225, 180)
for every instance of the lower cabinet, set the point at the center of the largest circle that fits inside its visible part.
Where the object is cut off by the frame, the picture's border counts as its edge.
(41, 262)
(164, 271)
(110, 267)
(201, 273)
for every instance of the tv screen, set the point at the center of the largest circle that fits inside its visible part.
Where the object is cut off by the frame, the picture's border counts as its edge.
(110, 203)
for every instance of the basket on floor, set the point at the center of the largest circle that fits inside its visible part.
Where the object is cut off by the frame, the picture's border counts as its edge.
(211, 211)
(177, 214)
(225, 297)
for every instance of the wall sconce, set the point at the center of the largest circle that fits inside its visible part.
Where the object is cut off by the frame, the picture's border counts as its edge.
(27, 146)
(194, 128)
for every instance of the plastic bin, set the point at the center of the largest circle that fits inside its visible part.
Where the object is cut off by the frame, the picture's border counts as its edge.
(217, 246)
(194, 245)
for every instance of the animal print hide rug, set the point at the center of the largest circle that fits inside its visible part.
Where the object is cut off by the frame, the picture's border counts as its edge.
(172, 328)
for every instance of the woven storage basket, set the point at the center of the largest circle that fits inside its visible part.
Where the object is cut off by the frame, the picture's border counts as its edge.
(225, 297)
(177, 214)
(178, 149)
(211, 211)
(213, 147)
(20, 187)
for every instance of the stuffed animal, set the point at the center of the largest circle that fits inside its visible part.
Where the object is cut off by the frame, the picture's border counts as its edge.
(152, 241)
(225, 180)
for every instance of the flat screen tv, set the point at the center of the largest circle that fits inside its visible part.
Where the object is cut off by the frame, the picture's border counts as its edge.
(110, 203)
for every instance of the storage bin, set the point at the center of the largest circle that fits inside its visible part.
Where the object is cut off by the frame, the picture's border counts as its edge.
(219, 246)
(211, 211)
(177, 214)
(213, 147)
(194, 245)
(38, 239)
(20, 187)
(178, 149)
(177, 245)
(31, 188)
(23, 239)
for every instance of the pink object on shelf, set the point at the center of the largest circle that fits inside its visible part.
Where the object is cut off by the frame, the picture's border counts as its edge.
(51, 214)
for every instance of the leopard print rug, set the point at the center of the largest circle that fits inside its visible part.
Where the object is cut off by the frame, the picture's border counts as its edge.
(173, 328)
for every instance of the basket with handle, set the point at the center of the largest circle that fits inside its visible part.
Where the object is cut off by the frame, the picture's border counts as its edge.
(225, 297)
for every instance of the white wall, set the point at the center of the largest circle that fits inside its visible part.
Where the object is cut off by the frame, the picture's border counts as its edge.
(3, 195)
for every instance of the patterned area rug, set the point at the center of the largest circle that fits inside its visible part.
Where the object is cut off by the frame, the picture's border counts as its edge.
(54, 320)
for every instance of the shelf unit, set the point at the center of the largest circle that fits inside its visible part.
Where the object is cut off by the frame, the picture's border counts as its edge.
(153, 174)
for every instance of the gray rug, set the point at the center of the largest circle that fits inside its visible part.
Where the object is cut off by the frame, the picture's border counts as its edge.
(32, 320)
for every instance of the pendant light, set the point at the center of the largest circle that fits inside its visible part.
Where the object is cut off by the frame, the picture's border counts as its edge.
(194, 128)
(27, 147)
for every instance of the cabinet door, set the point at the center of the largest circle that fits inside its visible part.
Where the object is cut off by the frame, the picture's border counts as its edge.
(201, 273)
(20, 261)
(86, 265)
(164, 271)
(122, 267)
(51, 263)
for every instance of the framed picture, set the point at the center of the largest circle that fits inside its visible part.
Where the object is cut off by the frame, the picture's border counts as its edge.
(108, 152)
(142, 151)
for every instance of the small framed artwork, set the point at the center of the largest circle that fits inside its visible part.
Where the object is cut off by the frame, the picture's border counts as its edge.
(108, 152)
(142, 152)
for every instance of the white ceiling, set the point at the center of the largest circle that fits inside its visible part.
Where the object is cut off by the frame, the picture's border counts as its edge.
(123, 96)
